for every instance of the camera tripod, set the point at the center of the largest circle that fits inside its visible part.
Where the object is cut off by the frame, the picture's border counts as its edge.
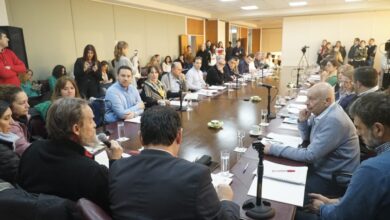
(301, 64)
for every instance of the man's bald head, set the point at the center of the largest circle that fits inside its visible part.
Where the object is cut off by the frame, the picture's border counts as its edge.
(320, 97)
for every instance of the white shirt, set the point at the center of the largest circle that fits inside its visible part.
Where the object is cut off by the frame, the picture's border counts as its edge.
(195, 79)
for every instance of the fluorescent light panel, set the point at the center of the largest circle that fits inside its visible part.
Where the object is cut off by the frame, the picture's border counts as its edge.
(353, 0)
(297, 4)
(249, 7)
(227, 0)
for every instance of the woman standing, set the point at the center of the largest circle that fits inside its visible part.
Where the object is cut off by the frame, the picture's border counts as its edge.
(87, 73)
(166, 65)
(153, 91)
(212, 56)
(121, 51)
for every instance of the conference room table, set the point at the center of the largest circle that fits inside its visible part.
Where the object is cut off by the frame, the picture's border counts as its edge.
(237, 113)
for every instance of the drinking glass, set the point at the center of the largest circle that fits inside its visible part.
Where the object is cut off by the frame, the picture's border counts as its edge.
(240, 137)
(225, 157)
(121, 131)
(264, 115)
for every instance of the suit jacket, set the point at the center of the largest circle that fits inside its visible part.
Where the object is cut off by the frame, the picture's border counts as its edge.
(156, 185)
(215, 77)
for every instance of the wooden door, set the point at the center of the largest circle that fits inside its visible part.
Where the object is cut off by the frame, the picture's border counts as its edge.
(183, 42)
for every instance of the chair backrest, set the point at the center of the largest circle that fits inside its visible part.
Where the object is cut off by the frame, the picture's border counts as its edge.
(99, 109)
(91, 211)
(36, 125)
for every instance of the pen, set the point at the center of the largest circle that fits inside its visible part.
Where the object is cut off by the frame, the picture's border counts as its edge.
(288, 171)
(246, 167)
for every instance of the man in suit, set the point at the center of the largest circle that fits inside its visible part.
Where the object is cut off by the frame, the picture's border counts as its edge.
(158, 185)
(368, 195)
(216, 75)
(58, 166)
(333, 140)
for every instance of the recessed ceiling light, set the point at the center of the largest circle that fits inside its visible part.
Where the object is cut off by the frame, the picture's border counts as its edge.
(353, 0)
(297, 4)
(250, 7)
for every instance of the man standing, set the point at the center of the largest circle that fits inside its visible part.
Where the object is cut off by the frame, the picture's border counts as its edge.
(174, 81)
(371, 52)
(238, 51)
(58, 166)
(124, 99)
(229, 51)
(158, 185)
(194, 76)
(368, 195)
(334, 145)
(10, 64)
(205, 57)
(352, 51)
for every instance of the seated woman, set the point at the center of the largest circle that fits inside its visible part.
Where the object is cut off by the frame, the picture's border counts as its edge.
(32, 89)
(19, 106)
(153, 91)
(347, 91)
(107, 76)
(124, 99)
(57, 73)
(330, 73)
(6, 136)
(65, 87)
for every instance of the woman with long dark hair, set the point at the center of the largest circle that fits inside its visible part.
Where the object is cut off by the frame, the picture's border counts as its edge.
(58, 72)
(87, 73)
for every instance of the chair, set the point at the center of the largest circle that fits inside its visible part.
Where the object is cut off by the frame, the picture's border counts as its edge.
(99, 109)
(340, 179)
(91, 211)
(36, 125)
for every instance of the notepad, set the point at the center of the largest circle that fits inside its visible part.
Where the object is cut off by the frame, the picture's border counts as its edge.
(207, 92)
(288, 127)
(177, 103)
(136, 120)
(217, 87)
(286, 187)
(286, 140)
(290, 120)
(191, 96)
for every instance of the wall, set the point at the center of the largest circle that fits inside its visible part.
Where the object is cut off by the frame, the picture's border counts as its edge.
(221, 32)
(212, 31)
(3, 13)
(271, 39)
(56, 32)
(256, 40)
(311, 30)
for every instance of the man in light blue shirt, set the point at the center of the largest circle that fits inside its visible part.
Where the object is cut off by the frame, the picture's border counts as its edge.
(334, 144)
(123, 99)
(194, 76)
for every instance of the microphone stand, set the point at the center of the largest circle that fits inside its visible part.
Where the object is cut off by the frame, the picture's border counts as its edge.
(270, 114)
(255, 207)
(181, 107)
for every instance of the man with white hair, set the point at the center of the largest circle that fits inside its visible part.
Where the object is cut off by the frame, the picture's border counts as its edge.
(334, 144)
(216, 74)
(174, 81)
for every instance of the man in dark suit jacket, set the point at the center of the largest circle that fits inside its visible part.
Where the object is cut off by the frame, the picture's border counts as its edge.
(158, 185)
(217, 75)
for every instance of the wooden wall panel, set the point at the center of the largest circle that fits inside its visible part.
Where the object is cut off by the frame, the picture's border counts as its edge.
(195, 27)
(243, 32)
(227, 33)
(212, 31)
(256, 40)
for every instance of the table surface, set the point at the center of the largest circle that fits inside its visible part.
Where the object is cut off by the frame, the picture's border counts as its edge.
(232, 108)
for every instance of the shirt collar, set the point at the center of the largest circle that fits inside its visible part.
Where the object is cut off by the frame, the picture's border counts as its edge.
(317, 118)
(383, 148)
(373, 89)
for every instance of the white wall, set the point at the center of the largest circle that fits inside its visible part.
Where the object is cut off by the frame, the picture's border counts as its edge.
(3, 14)
(311, 30)
(221, 32)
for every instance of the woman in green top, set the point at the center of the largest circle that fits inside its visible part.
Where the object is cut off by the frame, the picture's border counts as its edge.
(32, 89)
(330, 73)
(57, 73)
(65, 87)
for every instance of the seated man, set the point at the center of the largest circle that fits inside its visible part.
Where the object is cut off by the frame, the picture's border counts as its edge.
(334, 144)
(58, 166)
(259, 60)
(243, 66)
(230, 68)
(194, 76)
(368, 193)
(174, 81)
(216, 74)
(158, 185)
(124, 101)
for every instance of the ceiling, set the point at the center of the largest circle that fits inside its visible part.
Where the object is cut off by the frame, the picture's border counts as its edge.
(269, 13)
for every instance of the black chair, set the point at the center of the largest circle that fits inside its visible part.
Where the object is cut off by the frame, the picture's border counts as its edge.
(91, 211)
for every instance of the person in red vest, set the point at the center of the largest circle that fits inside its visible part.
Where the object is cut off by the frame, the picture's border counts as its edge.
(10, 64)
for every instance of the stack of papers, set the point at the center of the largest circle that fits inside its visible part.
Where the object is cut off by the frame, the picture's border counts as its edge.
(207, 92)
(177, 103)
(286, 140)
(282, 183)
(136, 120)
(191, 96)
(217, 87)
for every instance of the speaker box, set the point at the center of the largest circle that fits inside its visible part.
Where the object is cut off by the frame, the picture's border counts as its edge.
(16, 42)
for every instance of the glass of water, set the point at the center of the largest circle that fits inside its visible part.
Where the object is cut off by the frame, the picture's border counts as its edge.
(264, 117)
(121, 131)
(240, 137)
(225, 157)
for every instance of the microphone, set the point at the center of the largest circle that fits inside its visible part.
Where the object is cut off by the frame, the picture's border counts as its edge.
(266, 86)
(92, 99)
(103, 138)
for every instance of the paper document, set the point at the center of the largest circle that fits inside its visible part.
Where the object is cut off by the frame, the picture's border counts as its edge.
(207, 92)
(298, 106)
(286, 140)
(293, 121)
(218, 179)
(217, 87)
(191, 96)
(177, 103)
(288, 127)
(102, 158)
(294, 111)
(136, 120)
(301, 99)
(282, 183)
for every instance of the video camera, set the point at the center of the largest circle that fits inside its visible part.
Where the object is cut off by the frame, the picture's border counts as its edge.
(304, 49)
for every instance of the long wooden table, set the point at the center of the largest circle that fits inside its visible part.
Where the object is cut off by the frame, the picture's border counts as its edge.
(232, 108)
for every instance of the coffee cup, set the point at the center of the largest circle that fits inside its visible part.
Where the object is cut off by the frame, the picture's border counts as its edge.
(255, 129)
